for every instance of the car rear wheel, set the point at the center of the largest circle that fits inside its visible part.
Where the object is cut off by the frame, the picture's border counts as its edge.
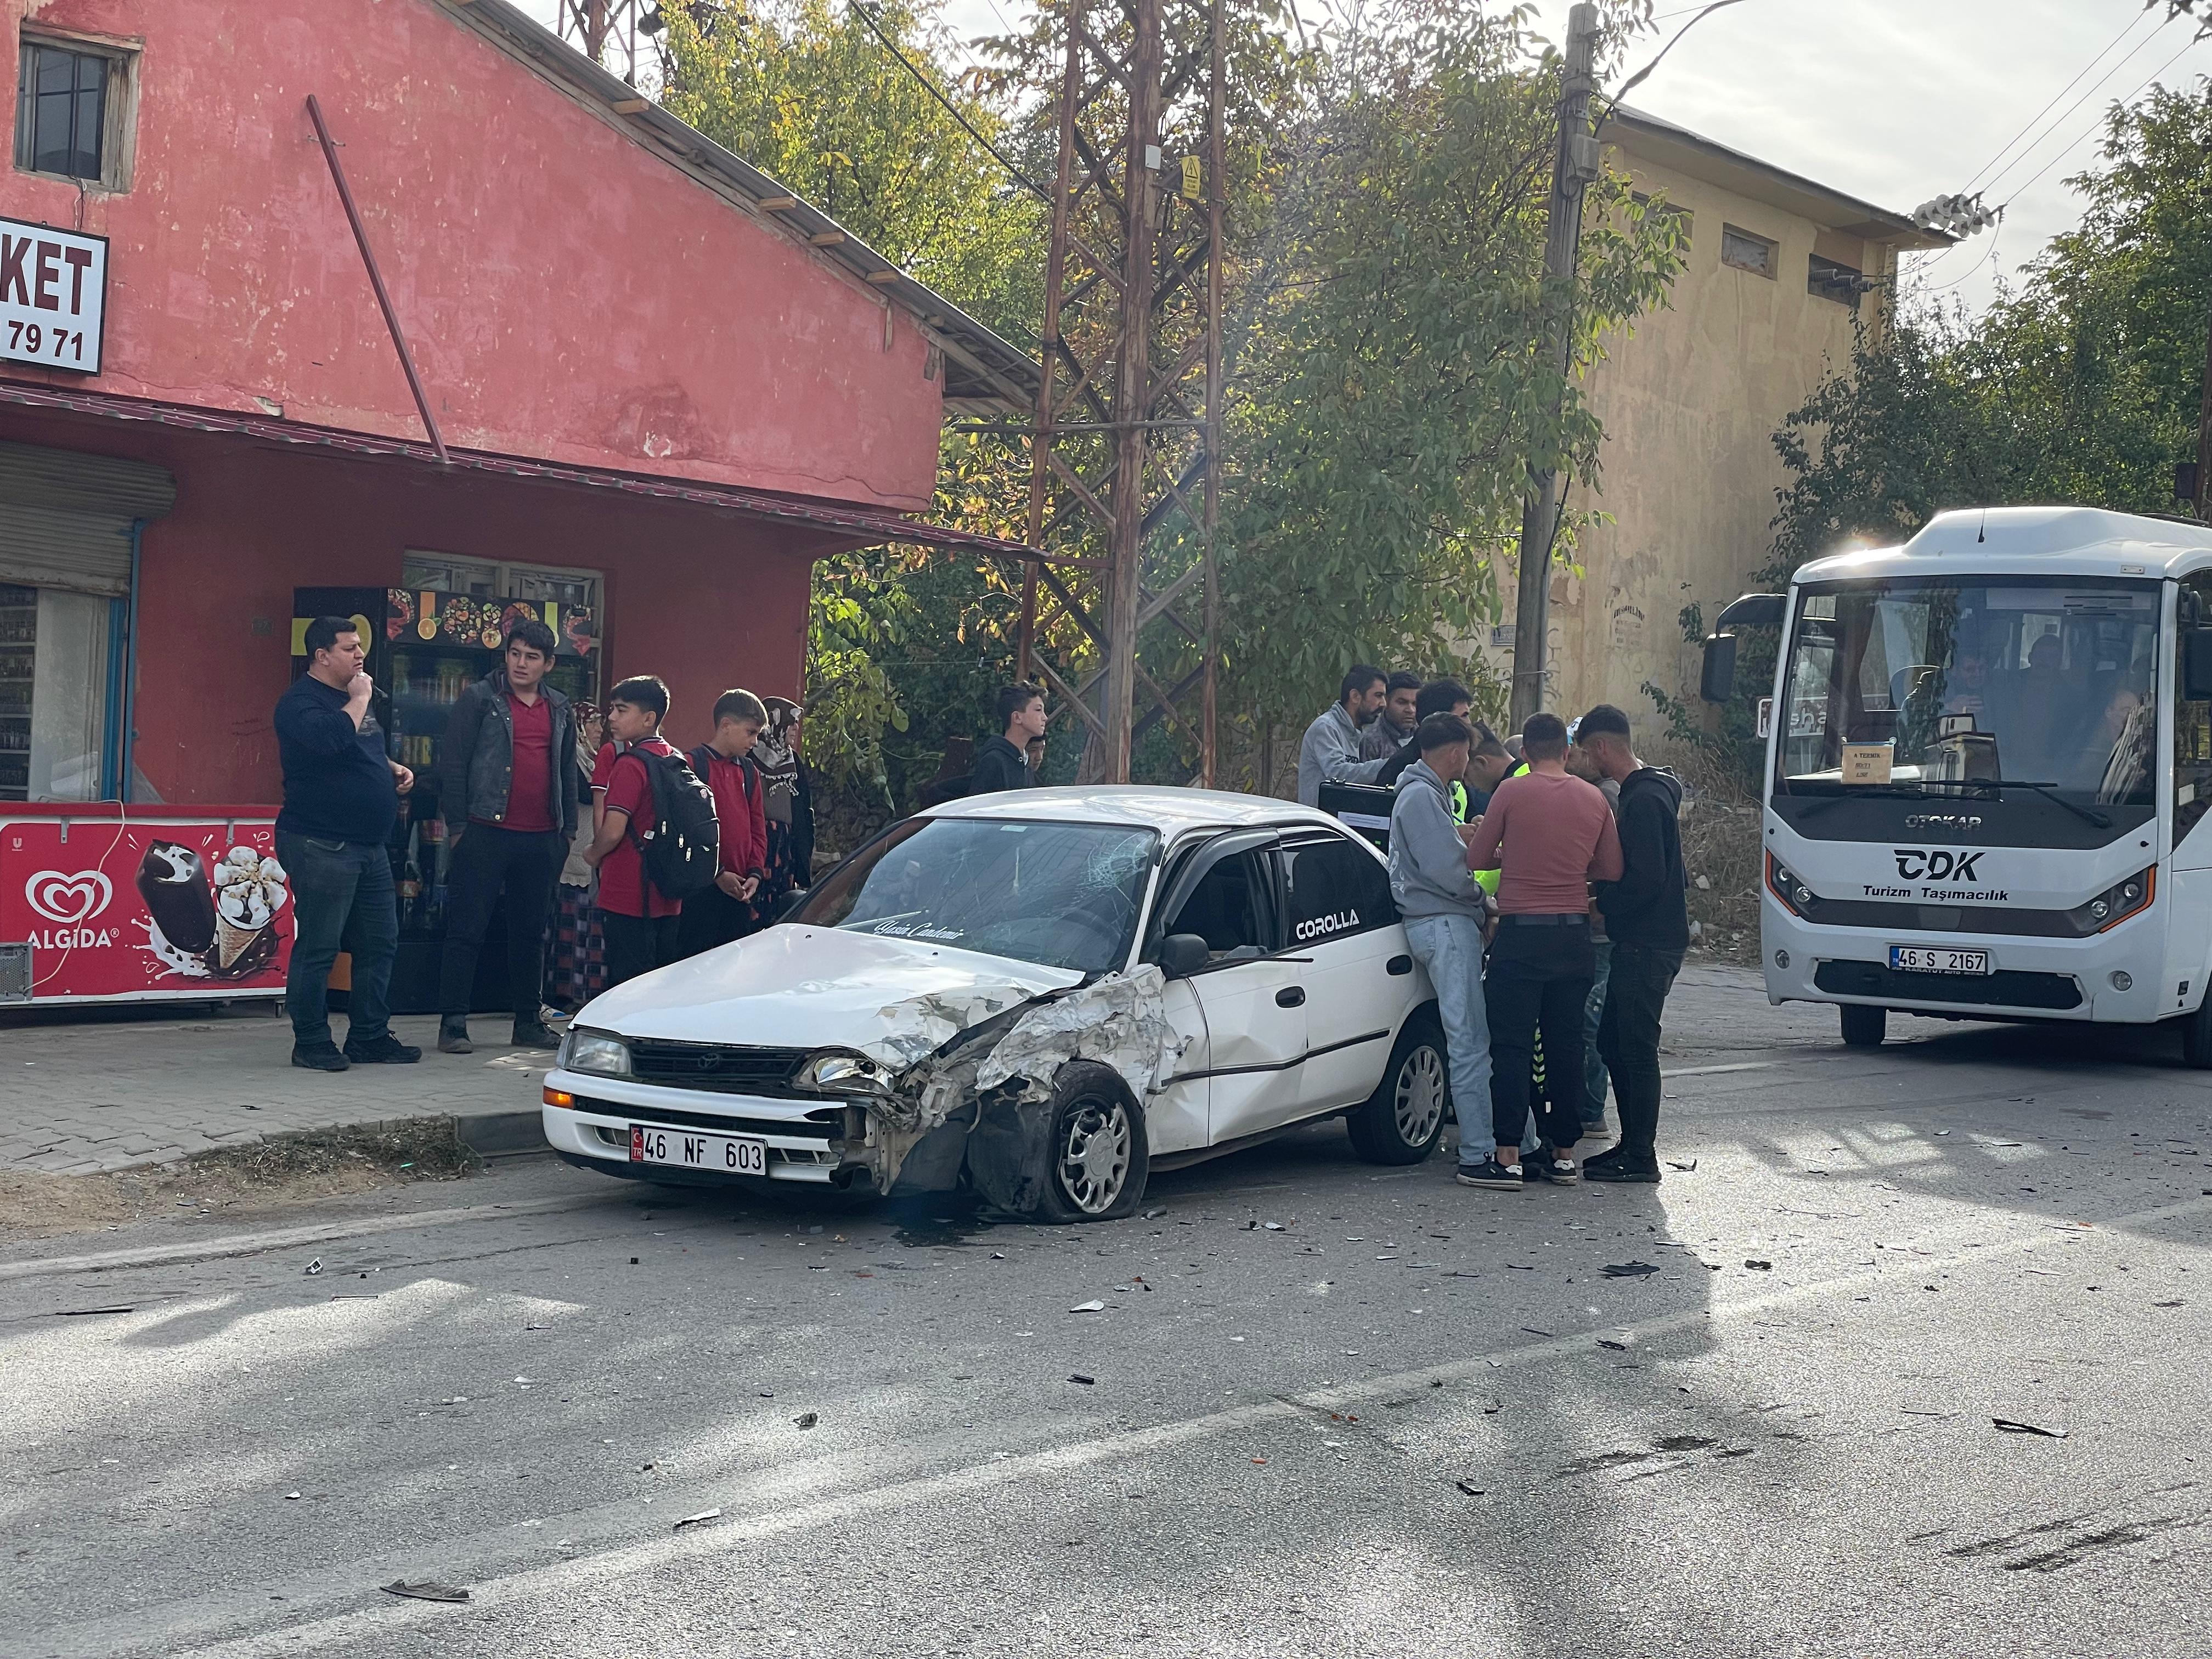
(1863, 1027)
(1098, 1158)
(1404, 1118)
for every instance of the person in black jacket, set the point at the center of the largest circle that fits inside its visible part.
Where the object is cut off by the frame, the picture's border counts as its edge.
(1647, 916)
(1003, 761)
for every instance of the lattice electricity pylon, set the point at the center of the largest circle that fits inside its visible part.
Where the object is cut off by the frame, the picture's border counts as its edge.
(1128, 413)
(607, 31)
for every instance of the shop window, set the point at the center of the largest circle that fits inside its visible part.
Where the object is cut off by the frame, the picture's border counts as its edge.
(1830, 280)
(73, 108)
(1747, 251)
(55, 651)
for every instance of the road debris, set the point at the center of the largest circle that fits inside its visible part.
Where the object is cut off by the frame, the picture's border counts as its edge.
(1079, 1378)
(291, 1495)
(1088, 1307)
(313, 1267)
(806, 1420)
(2007, 1425)
(1759, 1267)
(1620, 1341)
(695, 1520)
(81, 1313)
(1629, 1269)
(424, 1590)
(1685, 1165)
(1470, 1488)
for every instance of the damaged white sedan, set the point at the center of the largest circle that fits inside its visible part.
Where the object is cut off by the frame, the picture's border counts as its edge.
(1039, 996)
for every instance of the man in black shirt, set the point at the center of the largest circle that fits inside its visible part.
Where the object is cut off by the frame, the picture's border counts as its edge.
(1647, 917)
(341, 796)
(1003, 763)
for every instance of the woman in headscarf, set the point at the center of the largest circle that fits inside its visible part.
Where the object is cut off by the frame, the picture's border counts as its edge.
(790, 807)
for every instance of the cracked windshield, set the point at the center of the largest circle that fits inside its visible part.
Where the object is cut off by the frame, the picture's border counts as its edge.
(2034, 683)
(1064, 894)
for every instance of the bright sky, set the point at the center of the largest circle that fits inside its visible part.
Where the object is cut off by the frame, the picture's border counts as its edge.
(1892, 100)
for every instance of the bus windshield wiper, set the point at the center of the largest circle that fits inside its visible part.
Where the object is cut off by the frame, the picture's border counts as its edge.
(1858, 791)
(2050, 792)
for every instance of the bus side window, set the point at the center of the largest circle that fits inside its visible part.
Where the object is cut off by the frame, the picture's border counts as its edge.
(2192, 731)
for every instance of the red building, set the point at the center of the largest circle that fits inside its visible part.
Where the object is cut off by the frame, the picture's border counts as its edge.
(662, 385)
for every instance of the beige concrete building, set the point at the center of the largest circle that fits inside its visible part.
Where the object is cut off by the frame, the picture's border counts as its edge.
(1778, 267)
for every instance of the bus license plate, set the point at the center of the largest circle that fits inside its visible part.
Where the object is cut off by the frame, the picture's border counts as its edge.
(1937, 959)
(725, 1154)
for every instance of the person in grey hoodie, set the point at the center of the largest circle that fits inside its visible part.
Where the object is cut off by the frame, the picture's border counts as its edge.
(1442, 904)
(1330, 753)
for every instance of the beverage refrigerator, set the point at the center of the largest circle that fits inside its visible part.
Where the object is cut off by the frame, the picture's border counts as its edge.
(431, 647)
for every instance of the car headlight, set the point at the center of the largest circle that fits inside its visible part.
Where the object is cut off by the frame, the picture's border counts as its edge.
(587, 1051)
(841, 1073)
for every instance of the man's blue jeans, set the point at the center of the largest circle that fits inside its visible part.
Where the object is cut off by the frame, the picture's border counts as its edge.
(1594, 1072)
(341, 899)
(1449, 949)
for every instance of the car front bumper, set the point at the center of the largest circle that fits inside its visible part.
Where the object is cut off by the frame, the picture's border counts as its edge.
(806, 1137)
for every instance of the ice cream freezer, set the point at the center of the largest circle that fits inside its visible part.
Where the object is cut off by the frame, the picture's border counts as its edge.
(102, 902)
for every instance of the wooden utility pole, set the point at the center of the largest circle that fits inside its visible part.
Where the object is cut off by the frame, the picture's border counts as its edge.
(1574, 164)
(1122, 622)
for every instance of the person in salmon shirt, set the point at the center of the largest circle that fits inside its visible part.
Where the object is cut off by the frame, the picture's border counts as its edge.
(1549, 835)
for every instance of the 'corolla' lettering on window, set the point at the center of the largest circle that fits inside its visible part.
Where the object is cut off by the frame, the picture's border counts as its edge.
(1322, 926)
(1914, 864)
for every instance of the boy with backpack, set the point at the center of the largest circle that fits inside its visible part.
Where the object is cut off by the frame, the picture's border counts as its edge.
(722, 911)
(657, 842)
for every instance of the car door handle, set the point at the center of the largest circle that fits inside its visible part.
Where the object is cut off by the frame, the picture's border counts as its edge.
(1290, 996)
(1400, 965)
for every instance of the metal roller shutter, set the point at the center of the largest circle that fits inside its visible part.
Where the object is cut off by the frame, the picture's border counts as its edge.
(65, 517)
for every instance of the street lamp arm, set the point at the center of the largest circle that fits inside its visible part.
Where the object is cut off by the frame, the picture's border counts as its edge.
(1637, 79)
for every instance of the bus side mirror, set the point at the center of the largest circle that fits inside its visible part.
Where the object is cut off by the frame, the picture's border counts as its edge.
(2196, 664)
(1716, 679)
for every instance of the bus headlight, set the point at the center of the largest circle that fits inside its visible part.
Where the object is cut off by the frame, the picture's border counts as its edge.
(2118, 902)
(1794, 894)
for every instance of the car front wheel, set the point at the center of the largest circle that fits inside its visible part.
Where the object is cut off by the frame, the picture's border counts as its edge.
(1099, 1159)
(1403, 1119)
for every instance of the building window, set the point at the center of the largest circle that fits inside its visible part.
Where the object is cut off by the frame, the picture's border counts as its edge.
(1833, 279)
(72, 104)
(1747, 251)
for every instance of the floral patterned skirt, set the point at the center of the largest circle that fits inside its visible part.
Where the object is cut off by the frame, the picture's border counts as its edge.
(575, 951)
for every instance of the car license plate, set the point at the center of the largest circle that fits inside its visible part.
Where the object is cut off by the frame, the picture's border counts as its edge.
(726, 1154)
(1937, 959)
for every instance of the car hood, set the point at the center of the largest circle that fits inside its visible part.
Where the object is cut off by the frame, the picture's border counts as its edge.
(793, 987)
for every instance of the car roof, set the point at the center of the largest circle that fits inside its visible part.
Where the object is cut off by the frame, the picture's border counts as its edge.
(2029, 541)
(1170, 812)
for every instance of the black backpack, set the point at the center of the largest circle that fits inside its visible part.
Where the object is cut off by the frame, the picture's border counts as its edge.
(682, 851)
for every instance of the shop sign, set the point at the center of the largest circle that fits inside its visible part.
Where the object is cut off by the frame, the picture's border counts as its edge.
(167, 909)
(54, 295)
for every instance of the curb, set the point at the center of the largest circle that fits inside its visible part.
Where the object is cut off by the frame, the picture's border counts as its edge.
(502, 1134)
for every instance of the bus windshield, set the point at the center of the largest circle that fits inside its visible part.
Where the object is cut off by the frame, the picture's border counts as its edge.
(1928, 685)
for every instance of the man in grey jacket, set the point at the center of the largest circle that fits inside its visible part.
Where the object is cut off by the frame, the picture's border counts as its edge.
(508, 794)
(1442, 904)
(1330, 753)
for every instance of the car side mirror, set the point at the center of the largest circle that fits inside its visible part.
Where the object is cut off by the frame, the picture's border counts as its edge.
(1717, 677)
(2196, 664)
(1182, 955)
(788, 904)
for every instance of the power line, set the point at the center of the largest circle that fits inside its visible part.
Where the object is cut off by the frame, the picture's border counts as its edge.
(2129, 98)
(2128, 28)
(950, 109)
(2088, 93)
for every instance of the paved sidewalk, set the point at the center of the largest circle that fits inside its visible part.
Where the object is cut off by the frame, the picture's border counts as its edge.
(76, 1098)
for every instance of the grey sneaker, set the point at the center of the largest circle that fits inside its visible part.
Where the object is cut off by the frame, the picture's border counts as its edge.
(453, 1034)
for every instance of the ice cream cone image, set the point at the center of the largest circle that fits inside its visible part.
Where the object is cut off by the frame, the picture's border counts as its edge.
(249, 890)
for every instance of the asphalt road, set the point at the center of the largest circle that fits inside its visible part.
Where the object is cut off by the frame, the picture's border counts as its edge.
(1415, 1419)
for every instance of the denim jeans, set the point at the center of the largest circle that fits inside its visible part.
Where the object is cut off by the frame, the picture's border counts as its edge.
(1449, 950)
(1539, 978)
(341, 899)
(1629, 1035)
(1594, 1072)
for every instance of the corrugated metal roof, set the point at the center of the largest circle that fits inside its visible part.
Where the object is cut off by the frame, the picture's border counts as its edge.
(865, 527)
(981, 369)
